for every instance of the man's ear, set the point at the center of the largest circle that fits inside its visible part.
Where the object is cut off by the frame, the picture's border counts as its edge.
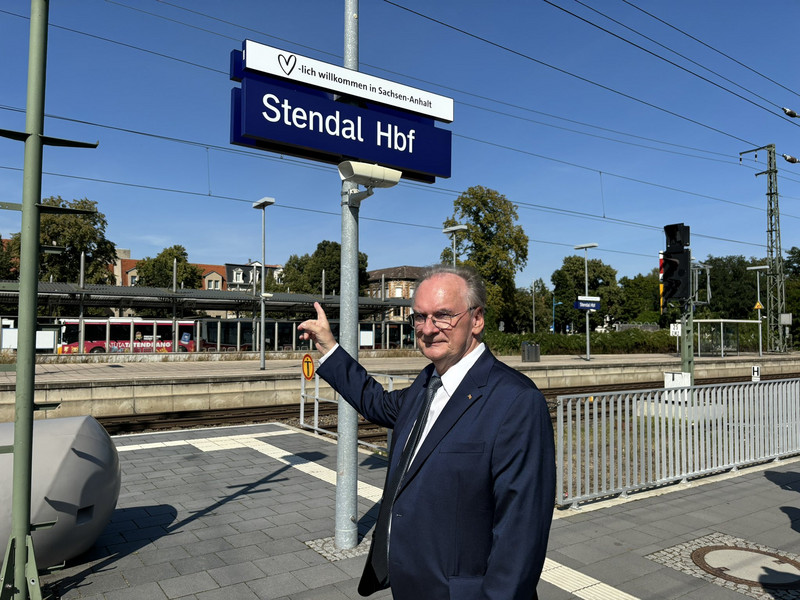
(477, 320)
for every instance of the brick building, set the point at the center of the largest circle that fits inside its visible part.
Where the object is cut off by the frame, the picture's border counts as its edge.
(394, 282)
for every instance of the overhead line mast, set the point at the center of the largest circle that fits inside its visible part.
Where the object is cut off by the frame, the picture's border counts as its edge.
(776, 280)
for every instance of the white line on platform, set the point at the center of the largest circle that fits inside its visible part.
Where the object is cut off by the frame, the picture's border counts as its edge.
(580, 585)
(210, 444)
(213, 443)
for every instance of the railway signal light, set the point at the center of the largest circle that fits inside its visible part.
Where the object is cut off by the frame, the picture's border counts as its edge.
(676, 275)
(676, 264)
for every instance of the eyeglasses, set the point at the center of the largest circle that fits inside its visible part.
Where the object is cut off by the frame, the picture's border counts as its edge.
(440, 320)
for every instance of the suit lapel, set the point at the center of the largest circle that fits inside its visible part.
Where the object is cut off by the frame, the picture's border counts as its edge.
(466, 394)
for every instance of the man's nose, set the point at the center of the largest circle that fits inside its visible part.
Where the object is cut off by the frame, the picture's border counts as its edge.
(428, 328)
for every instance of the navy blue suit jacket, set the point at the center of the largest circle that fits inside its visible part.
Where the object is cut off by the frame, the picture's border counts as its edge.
(472, 517)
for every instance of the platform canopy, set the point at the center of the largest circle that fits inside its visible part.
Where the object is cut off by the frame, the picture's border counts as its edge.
(185, 300)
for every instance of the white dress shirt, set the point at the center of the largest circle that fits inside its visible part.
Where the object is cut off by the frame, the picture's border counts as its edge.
(450, 382)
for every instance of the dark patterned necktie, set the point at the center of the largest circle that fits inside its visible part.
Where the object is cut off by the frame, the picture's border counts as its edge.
(380, 539)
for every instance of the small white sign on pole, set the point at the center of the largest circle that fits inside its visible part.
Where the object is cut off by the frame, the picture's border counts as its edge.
(756, 376)
(675, 329)
(677, 379)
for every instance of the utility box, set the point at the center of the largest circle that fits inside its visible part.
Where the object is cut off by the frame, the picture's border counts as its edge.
(530, 352)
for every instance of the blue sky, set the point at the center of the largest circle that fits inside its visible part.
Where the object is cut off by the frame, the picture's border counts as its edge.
(607, 144)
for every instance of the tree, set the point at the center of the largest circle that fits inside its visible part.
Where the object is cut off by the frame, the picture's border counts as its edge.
(522, 311)
(733, 288)
(303, 274)
(157, 272)
(8, 267)
(639, 298)
(569, 283)
(791, 264)
(77, 234)
(495, 246)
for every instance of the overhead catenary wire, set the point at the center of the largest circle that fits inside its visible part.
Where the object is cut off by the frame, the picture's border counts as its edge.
(675, 52)
(573, 164)
(710, 47)
(284, 205)
(569, 73)
(656, 149)
(205, 145)
(670, 62)
(404, 75)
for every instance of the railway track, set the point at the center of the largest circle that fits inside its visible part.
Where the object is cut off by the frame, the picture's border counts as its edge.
(290, 414)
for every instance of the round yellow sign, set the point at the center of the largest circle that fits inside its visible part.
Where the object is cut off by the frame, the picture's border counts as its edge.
(308, 367)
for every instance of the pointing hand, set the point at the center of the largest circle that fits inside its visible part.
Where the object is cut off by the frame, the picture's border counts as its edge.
(318, 330)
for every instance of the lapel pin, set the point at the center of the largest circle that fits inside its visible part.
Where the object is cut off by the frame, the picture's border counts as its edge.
(469, 396)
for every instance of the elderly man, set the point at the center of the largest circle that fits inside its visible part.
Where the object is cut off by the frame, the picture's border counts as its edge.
(470, 487)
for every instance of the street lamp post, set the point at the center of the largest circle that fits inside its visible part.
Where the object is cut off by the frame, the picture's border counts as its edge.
(262, 206)
(554, 312)
(452, 232)
(758, 270)
(585, 248)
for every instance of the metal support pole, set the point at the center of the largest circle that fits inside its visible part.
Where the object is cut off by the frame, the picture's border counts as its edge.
(262, 332)
(585, 248)
(22, 559)
(454, 248)
(586, 292)
(346, 520)
(687, 341)
(758, 296)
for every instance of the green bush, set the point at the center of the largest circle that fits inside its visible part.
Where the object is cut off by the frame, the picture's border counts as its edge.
(631, 341)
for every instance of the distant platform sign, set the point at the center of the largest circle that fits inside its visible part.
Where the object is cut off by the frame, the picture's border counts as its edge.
(586, 305)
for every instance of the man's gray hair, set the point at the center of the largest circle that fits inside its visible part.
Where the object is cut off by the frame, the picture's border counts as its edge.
(476, 290)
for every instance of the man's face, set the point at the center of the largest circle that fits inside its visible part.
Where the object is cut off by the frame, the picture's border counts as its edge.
(446, 294)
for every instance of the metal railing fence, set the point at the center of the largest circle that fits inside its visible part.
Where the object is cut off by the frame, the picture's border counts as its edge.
(388, 382)
(613, 443)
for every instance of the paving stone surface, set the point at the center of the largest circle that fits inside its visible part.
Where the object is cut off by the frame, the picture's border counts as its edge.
(248, 513)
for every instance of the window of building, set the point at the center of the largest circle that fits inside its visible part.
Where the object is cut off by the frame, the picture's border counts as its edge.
(133, 279)
(237, 276)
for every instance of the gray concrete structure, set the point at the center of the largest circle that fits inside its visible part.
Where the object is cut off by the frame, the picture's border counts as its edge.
(246, 513)
(75, 486)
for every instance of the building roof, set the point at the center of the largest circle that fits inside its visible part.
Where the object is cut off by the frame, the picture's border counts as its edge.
(405, 273)
(123, 297)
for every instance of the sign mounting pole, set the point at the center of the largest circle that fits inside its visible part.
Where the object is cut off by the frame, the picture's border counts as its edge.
(346, 518)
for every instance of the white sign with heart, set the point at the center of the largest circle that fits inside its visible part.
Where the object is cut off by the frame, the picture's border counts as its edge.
(280, 63)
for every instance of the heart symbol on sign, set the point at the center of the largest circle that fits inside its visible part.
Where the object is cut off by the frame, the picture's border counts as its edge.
(287, 64)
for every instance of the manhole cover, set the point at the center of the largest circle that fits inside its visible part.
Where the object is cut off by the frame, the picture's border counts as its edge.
(749, 566)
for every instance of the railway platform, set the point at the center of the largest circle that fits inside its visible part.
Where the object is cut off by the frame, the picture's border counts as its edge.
(245, 513)
(119, 386)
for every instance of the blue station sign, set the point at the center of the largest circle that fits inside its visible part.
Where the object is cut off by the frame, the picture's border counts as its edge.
(280, 115)
(586, 305)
